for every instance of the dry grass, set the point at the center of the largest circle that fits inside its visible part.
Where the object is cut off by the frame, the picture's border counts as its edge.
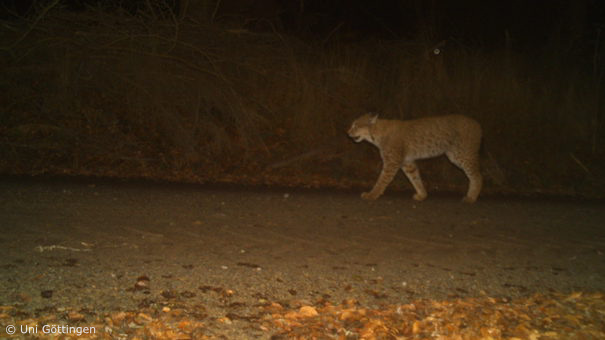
(102, 94)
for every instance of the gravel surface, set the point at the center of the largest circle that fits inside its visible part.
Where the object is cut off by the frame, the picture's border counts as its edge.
(96, 246)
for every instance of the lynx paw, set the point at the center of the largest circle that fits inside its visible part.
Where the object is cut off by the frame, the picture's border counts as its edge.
(469, 200)
(419, 197)
(369, 196)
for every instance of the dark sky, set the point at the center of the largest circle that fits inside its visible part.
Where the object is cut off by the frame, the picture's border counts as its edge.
(481, 22)
(471, 21)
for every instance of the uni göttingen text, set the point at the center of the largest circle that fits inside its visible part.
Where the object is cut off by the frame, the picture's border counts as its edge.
(57, 329)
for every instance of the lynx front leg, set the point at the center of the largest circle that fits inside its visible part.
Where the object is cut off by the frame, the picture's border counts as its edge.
(412, 173)
(389, 170)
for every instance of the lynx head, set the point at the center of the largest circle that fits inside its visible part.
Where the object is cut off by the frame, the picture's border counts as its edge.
(360, 129)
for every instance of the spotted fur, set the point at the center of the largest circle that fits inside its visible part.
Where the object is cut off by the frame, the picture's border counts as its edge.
(401, 143)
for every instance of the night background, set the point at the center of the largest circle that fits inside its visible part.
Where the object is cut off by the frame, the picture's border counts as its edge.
(182, 170)
(261, 92)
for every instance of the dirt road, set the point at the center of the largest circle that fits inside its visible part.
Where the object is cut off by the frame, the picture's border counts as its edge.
(85, 244)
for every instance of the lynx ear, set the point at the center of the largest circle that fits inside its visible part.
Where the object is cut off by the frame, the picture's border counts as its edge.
(373, 119)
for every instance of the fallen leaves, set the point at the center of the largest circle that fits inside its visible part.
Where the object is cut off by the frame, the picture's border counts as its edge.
(302, 313)
(75, 316)
(540, 316)
(142, 283)
(537, 317)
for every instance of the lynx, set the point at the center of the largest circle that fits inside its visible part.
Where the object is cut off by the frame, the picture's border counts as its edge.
(401, 143)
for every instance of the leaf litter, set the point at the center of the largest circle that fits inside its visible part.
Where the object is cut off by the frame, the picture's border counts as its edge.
(577, 315)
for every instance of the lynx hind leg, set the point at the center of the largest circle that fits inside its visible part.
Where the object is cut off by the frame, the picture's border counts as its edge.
(411, 172)
(389, 170)
(470, 165)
